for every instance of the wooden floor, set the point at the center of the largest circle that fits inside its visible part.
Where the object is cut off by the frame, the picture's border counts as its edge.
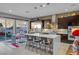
(69, 51)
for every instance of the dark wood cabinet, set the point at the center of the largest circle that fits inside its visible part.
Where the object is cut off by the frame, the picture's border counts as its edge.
(63, 23)
(64, 37)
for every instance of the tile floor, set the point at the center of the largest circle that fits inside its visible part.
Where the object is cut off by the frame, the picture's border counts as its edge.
(6, 49)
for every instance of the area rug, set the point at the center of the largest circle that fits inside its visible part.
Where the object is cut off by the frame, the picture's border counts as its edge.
(9, 44)
(15, 45)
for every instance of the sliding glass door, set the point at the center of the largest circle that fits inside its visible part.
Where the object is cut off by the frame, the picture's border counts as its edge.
(6, 28)
(21, 30)
(2, 29)
(9, 23)
(11, 27)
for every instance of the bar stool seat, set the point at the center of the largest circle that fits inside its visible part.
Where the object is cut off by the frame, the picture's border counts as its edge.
(29, 43)
(49, 48)
(42, 46)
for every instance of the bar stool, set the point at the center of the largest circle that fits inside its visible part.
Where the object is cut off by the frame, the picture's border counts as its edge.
(42, 45)
(29, 42)
(51, 49)
(38, 46)
(34, 43)
(49, 46)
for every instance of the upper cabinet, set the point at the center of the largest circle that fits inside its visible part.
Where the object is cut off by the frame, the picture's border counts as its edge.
(64, 22)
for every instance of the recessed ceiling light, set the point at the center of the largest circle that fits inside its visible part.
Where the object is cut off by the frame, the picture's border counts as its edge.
(43, 5)
(48, 4)
(35, 7)
(40, 5)
(10, 11)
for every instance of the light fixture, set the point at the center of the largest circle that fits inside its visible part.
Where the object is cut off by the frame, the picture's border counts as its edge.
(61, 16)
(9, 11)
(35, 8)
(43, 5)
(73, 14)
(40, 5)
(48, 4)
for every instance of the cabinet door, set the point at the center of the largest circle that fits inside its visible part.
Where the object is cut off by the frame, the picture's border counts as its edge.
(62, 24)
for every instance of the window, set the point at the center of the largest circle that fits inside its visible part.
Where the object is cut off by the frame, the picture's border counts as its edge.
(36, 24)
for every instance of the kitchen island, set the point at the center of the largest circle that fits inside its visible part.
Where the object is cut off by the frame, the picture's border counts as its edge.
(46, 42)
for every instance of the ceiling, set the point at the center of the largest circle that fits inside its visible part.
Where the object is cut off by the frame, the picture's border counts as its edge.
(32, 10)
